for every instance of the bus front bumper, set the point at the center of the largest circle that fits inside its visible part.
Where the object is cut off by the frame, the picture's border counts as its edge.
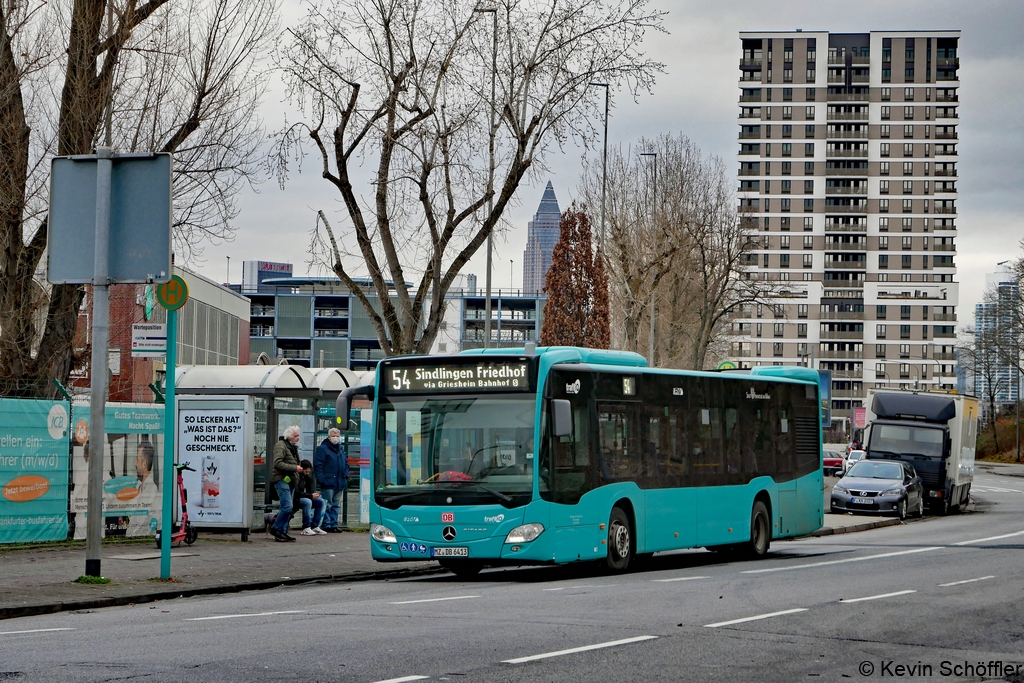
(490, 550)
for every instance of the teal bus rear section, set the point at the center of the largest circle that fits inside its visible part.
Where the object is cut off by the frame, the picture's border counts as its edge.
(467, 468)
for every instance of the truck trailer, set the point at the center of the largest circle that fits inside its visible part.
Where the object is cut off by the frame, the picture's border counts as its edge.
(935, 432)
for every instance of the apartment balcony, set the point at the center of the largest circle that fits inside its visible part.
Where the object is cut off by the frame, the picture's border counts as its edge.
(944, 190)
(860, 79)
(750, 152)
(750, 77)
(945, 209)
(846, 227)
(946, 115)
(848, 284)
(944, 227)
(862, 172)
(942, 77)
(844, 246)
(750, 171)
(852, 208)
(846, 190)
(331, 312)
(946, 173)
(948, 61)
(261, 331)
(947, 98)
(845, 265)
(855, 355)
(744, 115)
(750, 98)
(847, 393)
(857, 336)
(848, 97)
(944, 317)
(946, 153)
(294, 354)
(847, 116)
(946, 136)
(943, 356)
(261, 311)
(330, 333)
(848, 134)
(748, 135)
(945, 335)
(741, 354)
(750, 63)
(837, 60)
(843, 315)
(846, 153)
(836, 79)
(943, 247)
(860, 59)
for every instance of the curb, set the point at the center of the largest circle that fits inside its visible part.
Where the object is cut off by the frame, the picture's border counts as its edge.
(830, 531)
(170, 594)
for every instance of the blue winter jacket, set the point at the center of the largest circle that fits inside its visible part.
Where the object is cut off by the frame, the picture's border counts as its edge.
(330, 464)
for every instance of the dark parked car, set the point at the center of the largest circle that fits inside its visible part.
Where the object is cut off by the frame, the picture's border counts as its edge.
(880, 487)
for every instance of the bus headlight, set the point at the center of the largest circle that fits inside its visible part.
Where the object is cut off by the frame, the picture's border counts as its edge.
(525, 533)
(382, 533)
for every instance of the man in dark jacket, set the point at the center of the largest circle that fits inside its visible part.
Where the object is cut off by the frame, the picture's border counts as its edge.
(286, 469)
(330, 464)
(310, 501)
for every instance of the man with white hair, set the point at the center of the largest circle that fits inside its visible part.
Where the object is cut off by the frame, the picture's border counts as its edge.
(286, 471)
(330, 464)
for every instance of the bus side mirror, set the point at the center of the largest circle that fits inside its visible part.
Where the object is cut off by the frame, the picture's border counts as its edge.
(344, 402)
(561, 417)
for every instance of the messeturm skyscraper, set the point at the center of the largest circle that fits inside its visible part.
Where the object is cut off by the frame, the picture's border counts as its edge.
(542, 234)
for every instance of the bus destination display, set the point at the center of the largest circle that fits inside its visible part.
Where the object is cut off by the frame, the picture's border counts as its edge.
(510, 375)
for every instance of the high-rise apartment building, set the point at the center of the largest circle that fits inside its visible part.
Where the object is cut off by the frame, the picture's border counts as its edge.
(541, 237)
(848, 163)
(992, 377)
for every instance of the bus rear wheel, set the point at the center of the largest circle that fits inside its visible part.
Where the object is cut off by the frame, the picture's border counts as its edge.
(620, 541)
(760, 532)
(464, 569)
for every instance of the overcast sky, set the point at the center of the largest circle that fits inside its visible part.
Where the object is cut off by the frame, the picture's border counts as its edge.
(697, 96)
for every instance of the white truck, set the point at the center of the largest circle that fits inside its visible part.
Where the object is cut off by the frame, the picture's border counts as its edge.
(936, 432)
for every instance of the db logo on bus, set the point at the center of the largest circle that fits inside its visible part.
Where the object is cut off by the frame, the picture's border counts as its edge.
(573, 388)
(447, 517)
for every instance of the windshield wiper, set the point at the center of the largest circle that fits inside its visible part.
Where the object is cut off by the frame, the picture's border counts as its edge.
(488, 489)
(400, 496)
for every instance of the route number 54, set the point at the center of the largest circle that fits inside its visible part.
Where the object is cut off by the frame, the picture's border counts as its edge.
(399, 379)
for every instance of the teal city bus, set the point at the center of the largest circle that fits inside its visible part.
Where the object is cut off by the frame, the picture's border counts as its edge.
(561, 454)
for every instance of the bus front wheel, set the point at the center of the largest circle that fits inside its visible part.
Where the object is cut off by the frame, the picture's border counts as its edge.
(760, 532)
(620, 541)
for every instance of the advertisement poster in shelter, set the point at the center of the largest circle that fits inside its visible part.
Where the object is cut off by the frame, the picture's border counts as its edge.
(213, 443)
(133, 448)
(33, 470)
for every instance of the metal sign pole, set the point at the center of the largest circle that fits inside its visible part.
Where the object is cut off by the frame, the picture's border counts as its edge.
(170, 476)
(98, 368)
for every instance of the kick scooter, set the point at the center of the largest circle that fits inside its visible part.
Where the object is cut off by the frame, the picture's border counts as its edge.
(184, 531)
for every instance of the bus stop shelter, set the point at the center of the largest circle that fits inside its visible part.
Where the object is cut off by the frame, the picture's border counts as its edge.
(283, 395)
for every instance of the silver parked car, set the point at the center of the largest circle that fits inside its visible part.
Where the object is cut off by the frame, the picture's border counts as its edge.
(852, 457)
(880, 487)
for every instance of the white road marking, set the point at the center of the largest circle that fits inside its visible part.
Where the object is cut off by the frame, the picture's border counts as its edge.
(456, 597)
(957, 583)
(554, 589)
(876, 597)
(35, 630)
(585, 648)
(403, 679)
(239, 616)
(849, 559)
(759, 616)
(990, 538)
(679, 578)
(995, 489)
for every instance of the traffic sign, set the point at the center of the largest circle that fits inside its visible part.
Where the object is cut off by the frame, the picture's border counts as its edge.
(727, 365)
(172, 295)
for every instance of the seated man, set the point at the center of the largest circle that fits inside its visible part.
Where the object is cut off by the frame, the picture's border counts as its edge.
(309, 499)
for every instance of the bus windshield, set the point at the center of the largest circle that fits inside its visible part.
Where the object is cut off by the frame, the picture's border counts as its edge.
(895, 439)
(456, 450)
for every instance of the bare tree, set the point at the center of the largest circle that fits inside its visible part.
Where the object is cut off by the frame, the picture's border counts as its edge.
(678, 246)
(405, 88)
(980, 351)
(146, 75)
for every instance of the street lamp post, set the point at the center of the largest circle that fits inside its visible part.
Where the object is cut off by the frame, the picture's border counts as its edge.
(490, 176)
(511, 264)
(604, 161)
(654, 218)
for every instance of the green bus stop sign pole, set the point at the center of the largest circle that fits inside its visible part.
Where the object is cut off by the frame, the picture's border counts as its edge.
(171, 296)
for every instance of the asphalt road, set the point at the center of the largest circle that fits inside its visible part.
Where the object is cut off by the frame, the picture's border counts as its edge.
(934, 594)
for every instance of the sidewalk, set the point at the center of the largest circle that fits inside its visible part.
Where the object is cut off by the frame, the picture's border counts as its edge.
(40, 580)
(1005, 469)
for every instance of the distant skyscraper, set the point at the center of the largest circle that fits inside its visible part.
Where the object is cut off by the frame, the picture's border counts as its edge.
(542, 234)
